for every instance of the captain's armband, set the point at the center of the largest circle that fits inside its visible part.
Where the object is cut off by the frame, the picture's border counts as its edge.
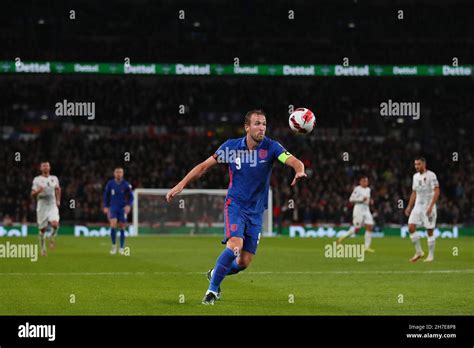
(284, 156)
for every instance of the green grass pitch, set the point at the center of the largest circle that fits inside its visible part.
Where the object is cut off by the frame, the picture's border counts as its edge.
(165, 275)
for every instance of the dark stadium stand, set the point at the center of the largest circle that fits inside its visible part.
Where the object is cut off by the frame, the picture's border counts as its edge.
(254, 31)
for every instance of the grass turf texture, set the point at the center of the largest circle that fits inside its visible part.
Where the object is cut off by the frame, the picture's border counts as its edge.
(160, 269)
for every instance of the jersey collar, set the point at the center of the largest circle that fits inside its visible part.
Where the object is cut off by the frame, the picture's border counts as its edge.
(243, 143)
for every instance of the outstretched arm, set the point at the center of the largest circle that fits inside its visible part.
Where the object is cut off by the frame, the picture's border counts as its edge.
(194, 174)
(298, 167)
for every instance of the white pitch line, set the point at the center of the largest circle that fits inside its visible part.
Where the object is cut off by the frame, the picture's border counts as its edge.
(73, 273)
(248, 273)
(372, 272)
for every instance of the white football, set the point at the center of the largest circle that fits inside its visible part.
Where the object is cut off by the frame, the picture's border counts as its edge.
(302, 120)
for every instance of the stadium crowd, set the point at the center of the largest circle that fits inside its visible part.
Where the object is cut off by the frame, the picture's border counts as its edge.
(140, 116)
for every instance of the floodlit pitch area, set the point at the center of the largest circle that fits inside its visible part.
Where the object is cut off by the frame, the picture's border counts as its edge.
(288, 277)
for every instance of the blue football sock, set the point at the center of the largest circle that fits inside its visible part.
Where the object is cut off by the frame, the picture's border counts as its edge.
(122, 238)
(223, 264)
(235, 268)
(113, 235)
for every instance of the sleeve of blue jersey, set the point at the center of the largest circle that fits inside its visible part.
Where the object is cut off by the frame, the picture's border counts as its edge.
(277, 149)
(221, 149)
(130, 193)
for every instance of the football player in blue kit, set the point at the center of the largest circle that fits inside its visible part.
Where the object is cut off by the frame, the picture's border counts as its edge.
(250, 161)
(118, 199)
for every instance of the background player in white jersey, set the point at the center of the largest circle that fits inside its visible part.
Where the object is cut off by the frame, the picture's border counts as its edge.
(361, 215)
(424, 196)
(47, 191)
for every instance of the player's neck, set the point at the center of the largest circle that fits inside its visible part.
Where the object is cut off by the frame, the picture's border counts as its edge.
(251, 144)
(45, 175)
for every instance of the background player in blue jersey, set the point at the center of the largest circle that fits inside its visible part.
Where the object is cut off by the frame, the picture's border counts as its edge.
(250, 161)
(118, 199)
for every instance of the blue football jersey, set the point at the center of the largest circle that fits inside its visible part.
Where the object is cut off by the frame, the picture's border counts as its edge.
(249, 171)
(118, 194)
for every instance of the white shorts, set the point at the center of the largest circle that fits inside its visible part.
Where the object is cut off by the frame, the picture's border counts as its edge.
(362, 218)
(418, 217)
(45, 215)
